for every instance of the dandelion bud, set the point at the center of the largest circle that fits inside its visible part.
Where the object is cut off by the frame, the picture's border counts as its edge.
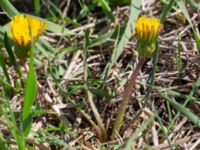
(147, 30)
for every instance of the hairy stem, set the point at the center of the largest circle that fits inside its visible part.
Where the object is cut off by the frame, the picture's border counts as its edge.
(127, 93)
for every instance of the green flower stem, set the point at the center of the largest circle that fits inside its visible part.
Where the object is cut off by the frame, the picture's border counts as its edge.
(127, 93)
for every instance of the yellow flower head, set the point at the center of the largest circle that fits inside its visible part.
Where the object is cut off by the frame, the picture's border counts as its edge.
(147, 30)
(24, 28)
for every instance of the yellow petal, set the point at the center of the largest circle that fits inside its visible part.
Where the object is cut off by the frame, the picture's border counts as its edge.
(24, 27)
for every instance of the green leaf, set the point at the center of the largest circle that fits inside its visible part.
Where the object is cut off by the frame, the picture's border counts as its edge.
(11, 54)
(37, 7)
(10, 119)
(107, 10)
(30, 95)
(196, 37)
(183, 8)
(130, 28)
(144, 126)
(178, 57)
(185, 111)
(166, 9)
(3, 65)
(9, 8)
(119, 2)
(194, 4)
(101, 93)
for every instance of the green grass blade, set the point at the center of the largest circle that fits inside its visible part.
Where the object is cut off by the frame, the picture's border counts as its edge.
(106, 9)
(51, 26)
(166, 9)
(163, 128)
(12, 11)
(11, 122)
(11, 54)
(144, 126)
(196, 37)
(1, 34)
(130, 28)
(3, 65)
(194, 4)
(9, 8)
(119, 2)
(178, 58)
(182, 6)
(37, 7)
(30, 95)
(175, 94)
(188, 99)
(93, 42)
(183, 110)
(3, 141)
(89, 94)
(7, 89)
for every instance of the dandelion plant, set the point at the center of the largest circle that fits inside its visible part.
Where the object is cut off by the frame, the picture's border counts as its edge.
(147, 30)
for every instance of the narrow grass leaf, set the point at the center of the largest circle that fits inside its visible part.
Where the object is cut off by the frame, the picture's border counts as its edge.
(7, 89)
(183, 8)
(188, 99)
(11, 54)
(106, 9)
(37, 7)
(93, 42)
(119, 2)
(89, 94)
(130, 27)
(8, 8)
(163, 128)
(4, 143)
(3, 66)
(51, 26)
(178, 58)
(183, 110)
(174, 93)
(8, 114)
(194, 4)
(166, 9)
(144, 126)
(100, 93)
(2, 32)
(150, 80)
(12, 11)
(55, 11)
(30, 94)
(196, 37)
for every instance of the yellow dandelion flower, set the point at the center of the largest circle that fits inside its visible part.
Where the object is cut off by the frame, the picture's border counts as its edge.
(147, 30)
(25, 29)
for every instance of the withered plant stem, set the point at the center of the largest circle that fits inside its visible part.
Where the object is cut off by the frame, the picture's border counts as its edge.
(127, 93)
